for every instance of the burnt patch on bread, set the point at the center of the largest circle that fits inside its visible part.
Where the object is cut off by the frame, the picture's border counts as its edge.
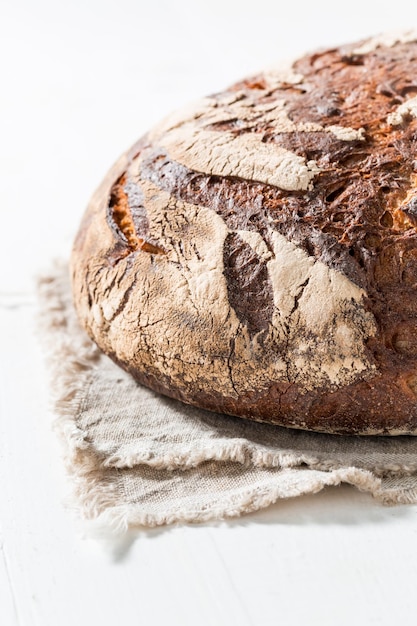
(127, 217)
(248, 285)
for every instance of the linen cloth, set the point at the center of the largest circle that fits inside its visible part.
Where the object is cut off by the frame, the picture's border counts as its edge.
(139, 458)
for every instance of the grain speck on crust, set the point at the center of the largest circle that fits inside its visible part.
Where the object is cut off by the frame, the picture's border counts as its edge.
(406, 109)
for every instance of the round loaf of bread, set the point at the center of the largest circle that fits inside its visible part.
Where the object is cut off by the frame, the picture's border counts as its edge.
(256, 253)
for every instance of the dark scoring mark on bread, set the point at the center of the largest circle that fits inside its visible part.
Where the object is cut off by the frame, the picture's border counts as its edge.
(322, 146)
(118, 214)
(137, 209)
(252, 206)
(127, 217)
(249, 288)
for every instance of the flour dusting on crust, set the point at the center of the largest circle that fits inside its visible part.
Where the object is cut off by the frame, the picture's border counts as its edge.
(387, 40)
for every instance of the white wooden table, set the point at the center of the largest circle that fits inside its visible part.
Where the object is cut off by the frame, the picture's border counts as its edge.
(80, 82)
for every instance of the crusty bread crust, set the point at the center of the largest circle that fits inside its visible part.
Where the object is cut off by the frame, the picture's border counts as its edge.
(255, 254)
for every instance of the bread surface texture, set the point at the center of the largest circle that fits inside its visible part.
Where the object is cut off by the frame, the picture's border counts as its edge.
(256, 253)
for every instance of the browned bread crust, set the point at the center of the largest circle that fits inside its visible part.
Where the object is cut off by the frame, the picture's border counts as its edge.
(256, 255)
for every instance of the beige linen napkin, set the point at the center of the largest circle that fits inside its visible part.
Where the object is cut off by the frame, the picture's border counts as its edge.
(137, 458)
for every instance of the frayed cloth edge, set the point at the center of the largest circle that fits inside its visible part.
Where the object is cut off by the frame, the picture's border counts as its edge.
(72, 358)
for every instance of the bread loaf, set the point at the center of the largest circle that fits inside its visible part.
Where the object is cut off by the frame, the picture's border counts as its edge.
(256, 253)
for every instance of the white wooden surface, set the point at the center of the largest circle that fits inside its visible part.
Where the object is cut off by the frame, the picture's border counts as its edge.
(80, 82)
